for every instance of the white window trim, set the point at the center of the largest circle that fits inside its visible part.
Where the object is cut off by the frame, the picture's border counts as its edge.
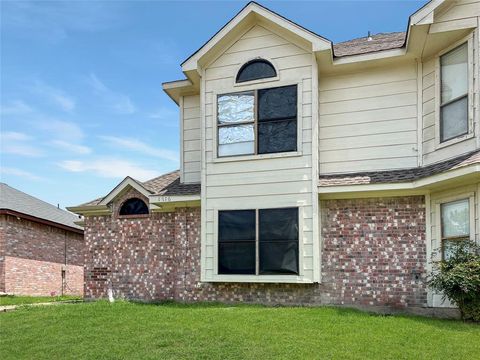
(435, 299)
(300, 278)
(470, 96)
(258, 86)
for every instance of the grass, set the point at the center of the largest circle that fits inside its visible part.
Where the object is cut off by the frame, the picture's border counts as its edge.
(171, 331)
(22, 300)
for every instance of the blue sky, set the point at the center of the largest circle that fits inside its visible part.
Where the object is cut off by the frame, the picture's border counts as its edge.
(81, 98)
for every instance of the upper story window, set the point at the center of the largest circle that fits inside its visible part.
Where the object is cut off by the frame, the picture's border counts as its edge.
(258, 242)
(454, 93)
(254, 70)
(257, 122)
(134, 206)
(455, 221)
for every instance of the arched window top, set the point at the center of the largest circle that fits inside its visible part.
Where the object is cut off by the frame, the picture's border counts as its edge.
(256, 69)
(134, 206)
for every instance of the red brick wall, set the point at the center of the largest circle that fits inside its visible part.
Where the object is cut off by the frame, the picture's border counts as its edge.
(373, 250)
(34, 256)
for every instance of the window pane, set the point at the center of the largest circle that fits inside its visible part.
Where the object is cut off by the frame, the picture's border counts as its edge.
(234, 108)
(236, 140)
(277, 136)
(449, 247)
(134, 206)
(236, 258)
(279, 257)
(258, 69)
(236, 225)
(455, 218)
(278, 224)
(454, 117)
(278, 241)
(277, 103)
(454, 73)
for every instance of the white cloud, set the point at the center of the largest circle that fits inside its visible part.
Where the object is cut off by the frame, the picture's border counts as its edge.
(17, 143)
(19, 173)
(17, 107)
(109, 168)
(117, 102)
(56, 96)
(71, 147)
(167, 117)
(141, 147)
(53, 21)
(60, 129)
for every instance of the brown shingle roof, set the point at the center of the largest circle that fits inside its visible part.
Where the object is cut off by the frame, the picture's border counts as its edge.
(398, 176)
(166, 184)
(378, 42)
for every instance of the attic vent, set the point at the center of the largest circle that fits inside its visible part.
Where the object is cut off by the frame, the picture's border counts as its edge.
(369, 36)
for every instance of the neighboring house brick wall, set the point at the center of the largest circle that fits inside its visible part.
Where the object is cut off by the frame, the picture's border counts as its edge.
(34, 255)
(158, 258)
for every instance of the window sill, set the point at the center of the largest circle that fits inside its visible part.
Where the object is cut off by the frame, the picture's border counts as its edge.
(454, 141)
(143, 216)
(257, 157)
(279, 279)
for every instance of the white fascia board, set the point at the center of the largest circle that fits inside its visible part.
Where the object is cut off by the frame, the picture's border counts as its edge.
(412, 185)
(425, 14)
(128, 181)
(318, 43)
(384, 54)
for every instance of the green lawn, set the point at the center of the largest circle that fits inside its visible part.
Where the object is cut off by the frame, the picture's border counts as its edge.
(134, 331)
(22, 300)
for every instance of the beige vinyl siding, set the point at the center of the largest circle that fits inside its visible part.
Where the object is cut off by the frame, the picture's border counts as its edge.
(455, 18)
(461, 192)
(262, 181)
(368, 120)
(191, 139)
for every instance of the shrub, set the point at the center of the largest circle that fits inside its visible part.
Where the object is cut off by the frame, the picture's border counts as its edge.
(458, 278)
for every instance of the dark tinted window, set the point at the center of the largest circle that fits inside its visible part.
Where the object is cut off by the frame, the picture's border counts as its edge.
(236, 242)
(278, 241)
(256, 69)
(277, 120)
(134, 206)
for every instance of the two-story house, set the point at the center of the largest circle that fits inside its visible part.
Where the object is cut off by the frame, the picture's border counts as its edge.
(311, 172)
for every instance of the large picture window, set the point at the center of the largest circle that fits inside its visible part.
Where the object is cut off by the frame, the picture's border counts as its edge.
(258, 242)
(455, 221)
(257, 122)
(454, 93)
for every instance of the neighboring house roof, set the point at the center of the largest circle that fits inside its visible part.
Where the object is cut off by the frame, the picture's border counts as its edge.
(18, 203)
(166, 184)
(398, 176)
(378, 42)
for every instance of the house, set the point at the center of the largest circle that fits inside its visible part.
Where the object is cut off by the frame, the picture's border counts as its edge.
(311, 172)
(41, 247)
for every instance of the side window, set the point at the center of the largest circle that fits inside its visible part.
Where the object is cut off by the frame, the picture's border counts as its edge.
(454, 93)
(455, 224)
(134, 206)
(269, 235)
(257, 122)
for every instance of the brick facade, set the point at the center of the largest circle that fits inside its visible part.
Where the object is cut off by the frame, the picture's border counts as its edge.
(32, 257)
(373, 254)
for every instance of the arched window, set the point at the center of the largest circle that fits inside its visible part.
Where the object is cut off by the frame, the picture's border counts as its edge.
(256, 69)
(134, 206)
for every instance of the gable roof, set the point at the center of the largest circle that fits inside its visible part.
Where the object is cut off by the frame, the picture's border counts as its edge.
(166, 184)
(19, 202)
(318, 42)
(399, 176)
